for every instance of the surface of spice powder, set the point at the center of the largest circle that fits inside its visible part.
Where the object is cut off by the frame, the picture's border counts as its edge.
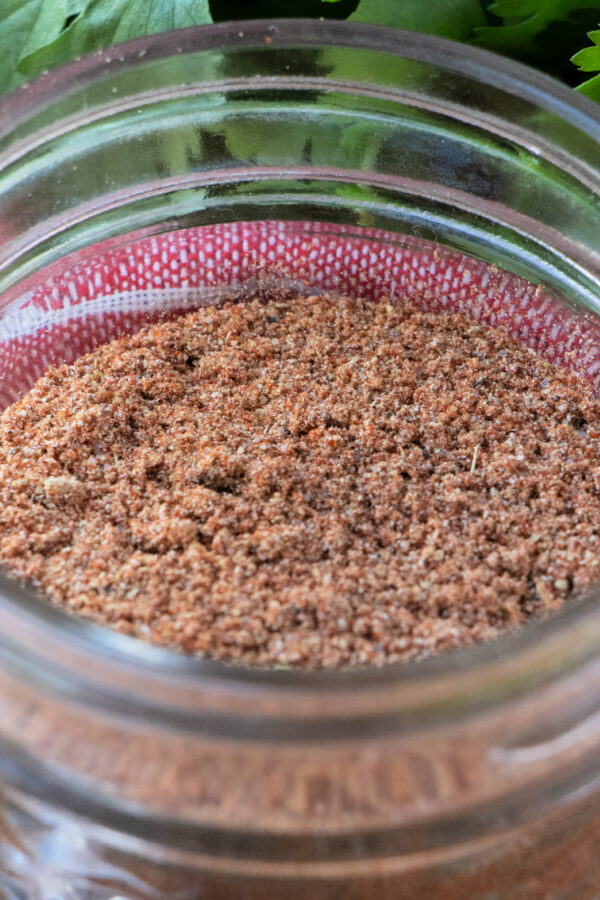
(308, 482)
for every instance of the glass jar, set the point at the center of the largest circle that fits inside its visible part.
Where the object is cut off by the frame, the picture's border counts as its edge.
(182, 168)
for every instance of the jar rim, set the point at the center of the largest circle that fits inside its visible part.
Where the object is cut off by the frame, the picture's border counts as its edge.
(483, 675)
(481, 64)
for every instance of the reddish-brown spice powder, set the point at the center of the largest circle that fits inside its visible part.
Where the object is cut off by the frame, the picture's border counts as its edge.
(308, 482)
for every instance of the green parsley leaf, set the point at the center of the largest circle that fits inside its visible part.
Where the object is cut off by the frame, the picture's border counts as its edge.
(591, 88)
(105, 22)
(524, 22)
(455, 19)
(26, 25)
(588, 60)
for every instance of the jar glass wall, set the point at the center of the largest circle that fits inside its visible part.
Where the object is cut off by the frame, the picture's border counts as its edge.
(182, 168)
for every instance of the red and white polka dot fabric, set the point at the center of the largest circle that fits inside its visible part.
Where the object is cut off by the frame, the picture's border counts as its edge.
(93, 297)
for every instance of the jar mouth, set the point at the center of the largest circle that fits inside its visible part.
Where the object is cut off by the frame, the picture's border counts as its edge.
(397, 695)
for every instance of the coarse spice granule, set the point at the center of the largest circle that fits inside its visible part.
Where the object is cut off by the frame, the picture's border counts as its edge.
(305, 482)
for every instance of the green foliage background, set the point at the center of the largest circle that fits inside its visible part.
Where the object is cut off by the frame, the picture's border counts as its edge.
(561, 37)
